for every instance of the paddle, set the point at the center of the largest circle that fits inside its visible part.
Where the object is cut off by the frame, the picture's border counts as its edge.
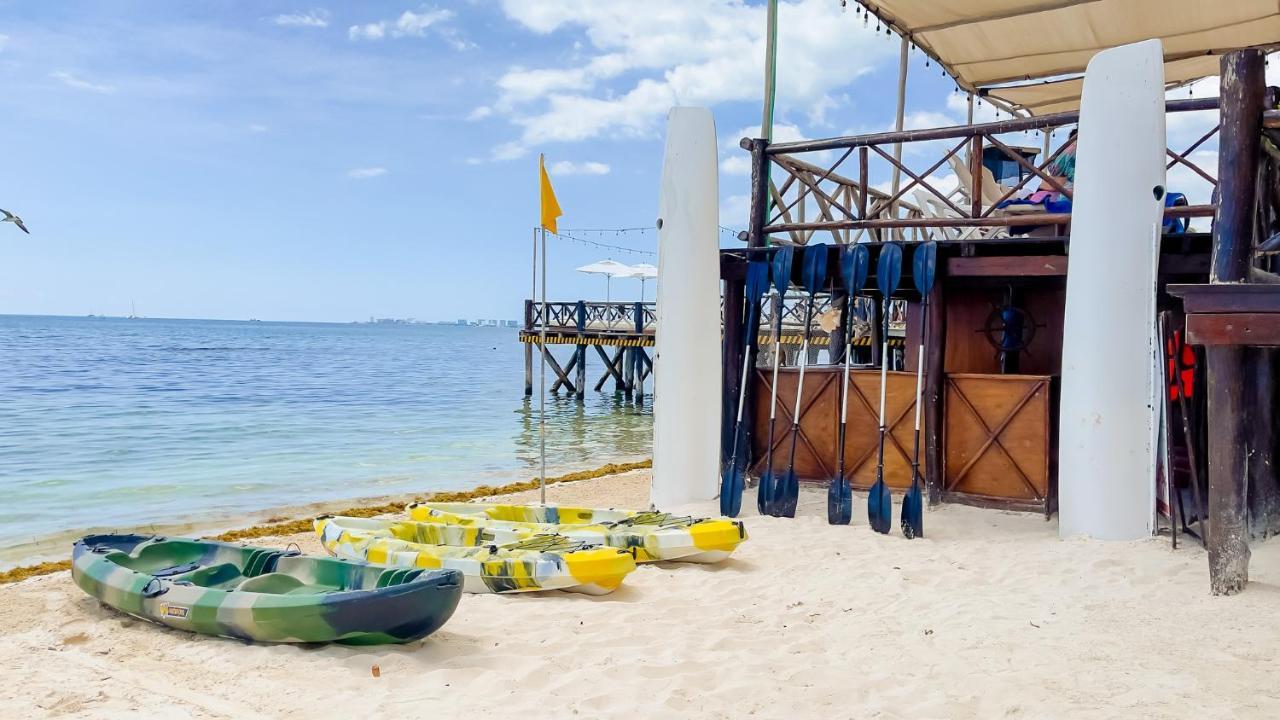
(813, 275)
(853, 273)
(924, 262)
(888, 272)
(732, 479)
(780, 271)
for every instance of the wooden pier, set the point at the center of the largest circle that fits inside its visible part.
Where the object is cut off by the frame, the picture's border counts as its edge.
(621, 332)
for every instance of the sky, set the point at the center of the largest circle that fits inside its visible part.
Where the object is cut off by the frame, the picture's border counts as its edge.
(332, 162)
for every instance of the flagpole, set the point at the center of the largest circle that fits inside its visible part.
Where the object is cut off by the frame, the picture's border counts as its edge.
(542, 381)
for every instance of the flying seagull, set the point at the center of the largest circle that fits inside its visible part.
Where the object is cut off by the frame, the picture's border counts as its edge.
(10, 217)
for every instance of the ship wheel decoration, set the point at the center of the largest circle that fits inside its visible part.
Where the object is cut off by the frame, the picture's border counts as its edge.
(1010, 329)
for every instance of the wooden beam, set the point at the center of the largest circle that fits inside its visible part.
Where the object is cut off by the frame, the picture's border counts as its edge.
(1255, 329)
(934, 381)
(1008, 266)
(999, 127)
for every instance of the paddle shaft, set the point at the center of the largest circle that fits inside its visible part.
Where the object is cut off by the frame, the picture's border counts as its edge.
(773, 390)
(742, 400)
(884, 377)
(924, 330)
(844, 385)
(804, 357)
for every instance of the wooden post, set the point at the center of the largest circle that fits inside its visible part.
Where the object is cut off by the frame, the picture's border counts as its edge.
(637, 354)
(581, 382)
(864, 181)
(628, 373)
(528, 350)
(759, 192)
(1230, 417)
(1263, 490)
(897, 126)
(934, 382)
(731, 364)
(975, 171)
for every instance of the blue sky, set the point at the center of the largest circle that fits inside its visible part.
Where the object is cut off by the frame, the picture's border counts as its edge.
(285, 160)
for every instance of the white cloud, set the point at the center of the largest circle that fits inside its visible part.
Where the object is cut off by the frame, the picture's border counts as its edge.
(366, 173)
(565, 167)
(313, 18)
(698, 52)
(480, 113)
(409, 24)
(256, 128)
(735, 210)
(79, 83)
(4, 40)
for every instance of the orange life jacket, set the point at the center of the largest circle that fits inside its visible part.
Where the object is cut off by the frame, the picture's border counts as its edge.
(1187, 386)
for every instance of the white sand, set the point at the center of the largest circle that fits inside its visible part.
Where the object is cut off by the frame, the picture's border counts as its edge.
(990, 616)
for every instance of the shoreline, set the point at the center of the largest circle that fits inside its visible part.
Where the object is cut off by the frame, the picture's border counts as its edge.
(270, 522)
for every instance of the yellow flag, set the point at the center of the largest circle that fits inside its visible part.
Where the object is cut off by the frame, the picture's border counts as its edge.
(550, 208)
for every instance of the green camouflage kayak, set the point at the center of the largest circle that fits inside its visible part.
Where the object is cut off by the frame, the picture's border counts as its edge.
(261, 594)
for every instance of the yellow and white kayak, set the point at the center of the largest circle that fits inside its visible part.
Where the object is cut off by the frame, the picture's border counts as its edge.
(537, 562)
(652, 536)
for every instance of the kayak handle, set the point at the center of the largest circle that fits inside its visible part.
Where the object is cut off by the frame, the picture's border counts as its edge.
(149, 592)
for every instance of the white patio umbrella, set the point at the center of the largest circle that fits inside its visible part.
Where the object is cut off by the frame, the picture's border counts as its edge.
(644, 271)
(610, 269)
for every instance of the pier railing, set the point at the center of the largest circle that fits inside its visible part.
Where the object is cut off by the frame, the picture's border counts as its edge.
(941, 189)
(635, 318)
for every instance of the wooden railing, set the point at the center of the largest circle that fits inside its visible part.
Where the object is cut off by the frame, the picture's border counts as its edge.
(583, 316)
(849, 206)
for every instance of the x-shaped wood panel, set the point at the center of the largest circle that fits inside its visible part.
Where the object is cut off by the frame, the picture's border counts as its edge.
(787, 415)
(993, 437)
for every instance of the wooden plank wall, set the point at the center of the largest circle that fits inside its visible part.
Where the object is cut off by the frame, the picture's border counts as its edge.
(817, 445)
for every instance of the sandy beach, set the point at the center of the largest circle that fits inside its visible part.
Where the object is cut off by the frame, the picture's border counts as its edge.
(990, 616)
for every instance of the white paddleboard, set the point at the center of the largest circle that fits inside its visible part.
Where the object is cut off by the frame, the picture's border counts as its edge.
(686, 401)
(1109, 414)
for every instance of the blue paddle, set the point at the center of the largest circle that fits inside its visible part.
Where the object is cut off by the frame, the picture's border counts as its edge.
(854, 260)
(780, 271)
(924, 264)
(888, 273)
(813, 275)
(732, 479)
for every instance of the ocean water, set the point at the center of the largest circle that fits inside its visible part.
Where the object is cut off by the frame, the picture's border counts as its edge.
(109, 422)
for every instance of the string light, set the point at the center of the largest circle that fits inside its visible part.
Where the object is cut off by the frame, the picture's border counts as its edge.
(576, 235)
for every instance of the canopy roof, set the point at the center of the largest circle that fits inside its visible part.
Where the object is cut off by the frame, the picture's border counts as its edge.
(997, 47)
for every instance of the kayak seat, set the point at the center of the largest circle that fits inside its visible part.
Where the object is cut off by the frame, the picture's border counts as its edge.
(159, 556)
(223, 576)
(277, 584)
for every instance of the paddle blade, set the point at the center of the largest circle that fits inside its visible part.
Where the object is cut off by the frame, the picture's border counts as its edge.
(788, 494)
(781, 268)
(913, 512)
(880, 507)
(924, 266)
(889, 268)
(731, 485)
(839, 501)
(813, 273)
(757, 279)
(855, 261)
(764, 492)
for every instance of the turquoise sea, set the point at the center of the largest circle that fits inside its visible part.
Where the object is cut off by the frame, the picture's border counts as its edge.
(110, 422)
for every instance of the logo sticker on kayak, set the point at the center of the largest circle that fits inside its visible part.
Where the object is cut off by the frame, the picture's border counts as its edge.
(175, 611)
